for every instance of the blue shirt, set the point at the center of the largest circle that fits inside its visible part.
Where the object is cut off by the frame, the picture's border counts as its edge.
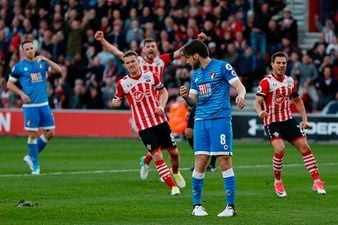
(32, 77)
(212, 86)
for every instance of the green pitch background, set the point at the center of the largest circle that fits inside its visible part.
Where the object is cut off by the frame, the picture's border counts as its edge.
(96, 181)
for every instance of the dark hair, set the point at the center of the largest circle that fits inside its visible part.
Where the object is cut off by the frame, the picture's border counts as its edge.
(25, 42)
(129, 53)
(148, 40)
(194, 47)
(279, 54)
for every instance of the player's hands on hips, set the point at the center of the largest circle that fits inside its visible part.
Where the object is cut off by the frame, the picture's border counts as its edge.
(184, 91)
(25, 98)
(98, 35)
(116, 102)
(159, 110)
(240, 101)
(305, 125)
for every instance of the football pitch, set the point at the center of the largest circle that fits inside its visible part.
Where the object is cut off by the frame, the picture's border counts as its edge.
(96, 181)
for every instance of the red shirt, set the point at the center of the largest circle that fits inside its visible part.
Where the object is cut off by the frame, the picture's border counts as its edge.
(141, 94)
(277, 93)
(156, 65)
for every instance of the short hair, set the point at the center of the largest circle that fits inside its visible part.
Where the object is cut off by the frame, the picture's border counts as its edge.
(148, 40)
(196, 47)
(130, 53)
(279, 54)
(25, 42)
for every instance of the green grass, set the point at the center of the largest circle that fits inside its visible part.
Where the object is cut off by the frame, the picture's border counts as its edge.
(69, 191)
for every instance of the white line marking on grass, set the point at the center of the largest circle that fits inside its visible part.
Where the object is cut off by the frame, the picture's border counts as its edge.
(136, 170)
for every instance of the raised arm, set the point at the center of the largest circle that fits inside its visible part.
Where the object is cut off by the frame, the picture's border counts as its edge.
(99, 36)
(179, 52)
(55, 67)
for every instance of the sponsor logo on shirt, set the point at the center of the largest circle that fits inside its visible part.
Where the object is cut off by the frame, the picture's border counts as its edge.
(205, 89)
(36, 77)
(139, 95)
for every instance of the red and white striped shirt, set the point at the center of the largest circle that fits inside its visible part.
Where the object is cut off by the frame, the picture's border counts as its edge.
(276, 93)
(156, 65)
(141, 94)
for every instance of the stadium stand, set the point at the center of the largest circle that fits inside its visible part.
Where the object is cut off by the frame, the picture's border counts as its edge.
(64, 31)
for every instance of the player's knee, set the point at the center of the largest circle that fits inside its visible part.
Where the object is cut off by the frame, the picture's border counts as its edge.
(173, 151)
(278, 147)
(32, 135)
(305, 149)
(49, 134)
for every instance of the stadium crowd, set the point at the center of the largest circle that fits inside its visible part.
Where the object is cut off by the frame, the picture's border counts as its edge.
(243, 32)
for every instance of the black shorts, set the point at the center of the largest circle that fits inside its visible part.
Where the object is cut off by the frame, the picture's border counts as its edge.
(289, 130)
(191, 119)
(158, 136)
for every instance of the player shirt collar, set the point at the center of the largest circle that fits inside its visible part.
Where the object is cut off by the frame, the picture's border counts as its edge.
(148, 60)
(280, 79)
(135, 77)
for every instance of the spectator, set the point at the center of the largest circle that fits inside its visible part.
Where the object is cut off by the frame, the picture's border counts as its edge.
(170, 28)
(262, 16)
(288, 48)
(77, 100)
(116, 36)
(327, 87)
(248, 26)
(318, 55)
(94, 98)
(96, 68)
(328, 30)
(74, 40)
(239, 6)
(288, 26)
(231, 54)
(273, 38)
(332, 50)
(246, 65)
(146, 17)
(308, 76)
(209, 29)
(293, 62)
(240, 42)
(135, 33)
(108, 91)
(331, 107)
(132, 16)
(235, 24)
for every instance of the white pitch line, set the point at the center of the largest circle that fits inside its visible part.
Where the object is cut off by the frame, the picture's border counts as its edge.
(137, 170)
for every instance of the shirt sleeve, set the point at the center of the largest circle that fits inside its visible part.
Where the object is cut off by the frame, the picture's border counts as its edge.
(119, 91)
(263, 88)
(295, 89)
(229, 72)
(166, 58)
(157, 82)
(193, 85)
(15, 73)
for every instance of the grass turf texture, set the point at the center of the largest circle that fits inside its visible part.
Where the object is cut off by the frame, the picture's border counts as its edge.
(96, 181)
